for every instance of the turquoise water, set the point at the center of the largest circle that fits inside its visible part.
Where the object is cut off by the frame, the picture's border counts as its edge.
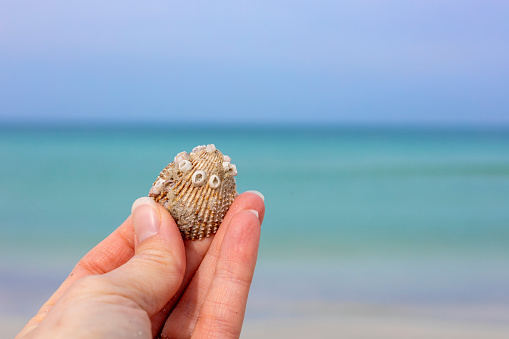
(354, 214)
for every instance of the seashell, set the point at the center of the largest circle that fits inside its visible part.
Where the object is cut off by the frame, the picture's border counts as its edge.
(197, 189)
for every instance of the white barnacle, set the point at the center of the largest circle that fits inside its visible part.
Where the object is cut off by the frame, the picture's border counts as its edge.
(198, 148)
(232, 171)
(227, 158)
(199, 178)
(211, 148)
(154, 191)
(180, 157)
(185, 166)
(159, 183)
(226, 166)
(214, 181)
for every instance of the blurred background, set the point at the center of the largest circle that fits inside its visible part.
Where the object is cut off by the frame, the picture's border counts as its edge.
(378, 132)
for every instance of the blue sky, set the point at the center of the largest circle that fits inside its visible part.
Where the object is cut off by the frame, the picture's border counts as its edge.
(433, 62)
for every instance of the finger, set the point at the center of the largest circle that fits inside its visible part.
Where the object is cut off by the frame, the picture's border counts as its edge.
(109, 254)
(159, 249)
(196, 250)
(155, 272)
(183, 319)
(203, 255)
(222, 313)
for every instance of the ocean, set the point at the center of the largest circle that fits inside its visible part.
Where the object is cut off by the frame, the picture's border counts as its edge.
(379, 216)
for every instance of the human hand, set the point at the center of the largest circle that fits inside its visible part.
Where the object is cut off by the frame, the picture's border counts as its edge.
(145, 281)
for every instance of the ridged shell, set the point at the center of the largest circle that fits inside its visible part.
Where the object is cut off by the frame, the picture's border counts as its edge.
(197, 189)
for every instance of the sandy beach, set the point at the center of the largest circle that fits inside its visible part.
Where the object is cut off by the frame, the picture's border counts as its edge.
(366, 327)
(11, 325)
(322, 320)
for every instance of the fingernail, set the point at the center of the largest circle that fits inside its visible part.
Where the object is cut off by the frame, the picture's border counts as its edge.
(146, 218)
(255, 212)
(258, 194)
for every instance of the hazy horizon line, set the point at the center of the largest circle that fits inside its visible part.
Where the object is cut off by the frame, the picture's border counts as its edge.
(138, 125)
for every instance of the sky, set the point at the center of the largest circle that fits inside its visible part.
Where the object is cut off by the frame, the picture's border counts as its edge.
(376, 62)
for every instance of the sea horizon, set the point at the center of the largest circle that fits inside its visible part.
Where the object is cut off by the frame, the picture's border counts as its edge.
(115, 124)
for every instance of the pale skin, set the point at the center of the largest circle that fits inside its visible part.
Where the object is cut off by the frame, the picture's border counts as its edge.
(145, 281)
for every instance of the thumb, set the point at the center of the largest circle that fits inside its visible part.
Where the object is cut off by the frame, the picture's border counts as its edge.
(153, 275)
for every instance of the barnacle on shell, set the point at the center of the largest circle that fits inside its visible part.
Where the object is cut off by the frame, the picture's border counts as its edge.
(197, 189)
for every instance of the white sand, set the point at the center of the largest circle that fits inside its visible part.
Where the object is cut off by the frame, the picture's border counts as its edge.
(364, 327)
(383, 322)
(11, 325)
(352, 321)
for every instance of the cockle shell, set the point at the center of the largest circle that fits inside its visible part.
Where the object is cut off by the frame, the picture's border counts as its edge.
(197, 189)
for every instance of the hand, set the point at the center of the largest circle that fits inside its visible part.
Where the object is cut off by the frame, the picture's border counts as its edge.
(145, 281)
